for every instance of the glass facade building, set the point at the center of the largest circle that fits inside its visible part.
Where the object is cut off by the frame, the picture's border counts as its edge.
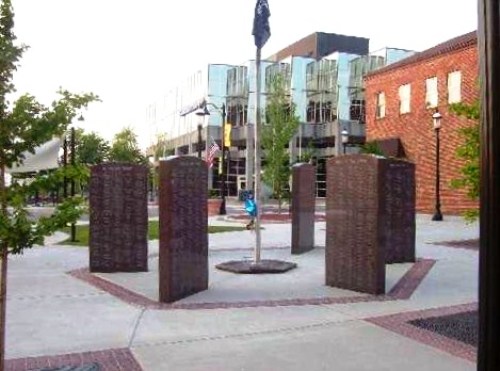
(328, 96)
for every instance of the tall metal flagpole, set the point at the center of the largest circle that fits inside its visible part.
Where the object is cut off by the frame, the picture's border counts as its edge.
(257, 159)
(261, 32)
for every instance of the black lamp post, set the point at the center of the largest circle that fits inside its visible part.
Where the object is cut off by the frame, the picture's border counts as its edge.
(203, 112)
(73, 185)
(222, 210)
(345, 138)
(438, 216)
(200, 128)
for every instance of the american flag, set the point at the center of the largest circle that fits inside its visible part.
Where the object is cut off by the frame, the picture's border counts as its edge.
(214, 147)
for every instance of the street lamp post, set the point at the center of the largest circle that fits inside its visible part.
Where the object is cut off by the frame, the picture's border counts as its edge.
(73, 185)
(200, 128)
(203, 112)
(345, 139)
(222, 210)
(438, 216)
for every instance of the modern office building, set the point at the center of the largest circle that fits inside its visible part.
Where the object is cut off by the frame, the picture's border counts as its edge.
(323, 74)
(320, 44)
(401, 99)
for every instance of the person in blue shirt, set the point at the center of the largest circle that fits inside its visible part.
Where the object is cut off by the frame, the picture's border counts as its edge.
(251, 209)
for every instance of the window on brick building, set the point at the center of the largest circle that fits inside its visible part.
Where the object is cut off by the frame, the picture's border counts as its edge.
(431, 92)
(454, 87)
(380, 105)
(404, 98)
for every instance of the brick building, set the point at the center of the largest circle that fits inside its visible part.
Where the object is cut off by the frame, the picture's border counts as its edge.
(400, 101)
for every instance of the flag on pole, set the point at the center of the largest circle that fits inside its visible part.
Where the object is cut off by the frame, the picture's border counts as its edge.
(261, 30)
(212, 150)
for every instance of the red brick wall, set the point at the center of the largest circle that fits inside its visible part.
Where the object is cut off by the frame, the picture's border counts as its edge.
(415, 129)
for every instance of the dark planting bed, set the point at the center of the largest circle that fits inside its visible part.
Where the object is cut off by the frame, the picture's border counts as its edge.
(461, 326)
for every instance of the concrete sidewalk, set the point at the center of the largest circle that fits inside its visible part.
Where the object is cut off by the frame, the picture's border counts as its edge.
(291, 322)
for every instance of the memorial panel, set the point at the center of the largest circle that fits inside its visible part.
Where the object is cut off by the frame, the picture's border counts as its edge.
(118, 230)
(399, 211)
(183, 257)
(303, 203)
(355, 260)
(370, 220)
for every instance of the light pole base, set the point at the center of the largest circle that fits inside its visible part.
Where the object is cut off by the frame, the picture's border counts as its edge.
(222, 210)
(437, 217)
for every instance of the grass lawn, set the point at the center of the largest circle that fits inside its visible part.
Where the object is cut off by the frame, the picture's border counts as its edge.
(82, 233)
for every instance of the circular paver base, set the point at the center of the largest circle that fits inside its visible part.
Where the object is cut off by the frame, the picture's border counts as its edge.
(250, 267)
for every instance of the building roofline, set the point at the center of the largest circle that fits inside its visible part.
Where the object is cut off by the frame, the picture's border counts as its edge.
(458, 43)
(391, 48)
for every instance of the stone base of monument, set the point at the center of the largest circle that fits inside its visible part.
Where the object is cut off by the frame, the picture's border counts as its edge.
(250, 267)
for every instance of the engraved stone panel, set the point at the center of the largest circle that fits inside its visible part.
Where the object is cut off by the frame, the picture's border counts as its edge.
(118, 231)
(399, 211)
(370, 220)
(303, 200)
(355, 259)
(183, 260)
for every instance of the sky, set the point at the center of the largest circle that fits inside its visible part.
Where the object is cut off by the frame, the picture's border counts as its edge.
(131, 53)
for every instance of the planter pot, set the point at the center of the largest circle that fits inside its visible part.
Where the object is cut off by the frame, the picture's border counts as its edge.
(214, 206)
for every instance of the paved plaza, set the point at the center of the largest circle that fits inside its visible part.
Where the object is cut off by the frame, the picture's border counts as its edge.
(59, 313)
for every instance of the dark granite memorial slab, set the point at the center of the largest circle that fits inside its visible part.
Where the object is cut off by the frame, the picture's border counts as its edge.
(370, 220)
(355, 259)
(399, 211)
(303, 202)
(183, 257)
(118, 233)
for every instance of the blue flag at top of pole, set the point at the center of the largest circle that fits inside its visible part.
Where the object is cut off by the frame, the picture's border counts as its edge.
(261, 30)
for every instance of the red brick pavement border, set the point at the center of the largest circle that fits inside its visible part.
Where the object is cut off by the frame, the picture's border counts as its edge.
(109, 360)
(402, 290)
(398, 323)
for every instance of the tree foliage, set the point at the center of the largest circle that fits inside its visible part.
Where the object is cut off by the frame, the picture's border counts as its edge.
(372, 148)
(91, 148)
(125, 148)
(24, 125)
(161, 149)
(280, 127)
(469, 152)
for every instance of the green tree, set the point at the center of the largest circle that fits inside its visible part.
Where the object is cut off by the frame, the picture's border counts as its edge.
(280, 127)
(469, 152)
(372, 148)
(161, 147)
(24, 125)
(125, 148)
(308, 153)
(91, 149)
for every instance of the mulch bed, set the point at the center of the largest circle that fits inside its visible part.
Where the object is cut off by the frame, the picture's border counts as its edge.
(461, 326)
(262, 267)
(450, 329)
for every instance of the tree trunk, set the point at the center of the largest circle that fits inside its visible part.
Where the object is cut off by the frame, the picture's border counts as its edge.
(3, 302)
(3, 273)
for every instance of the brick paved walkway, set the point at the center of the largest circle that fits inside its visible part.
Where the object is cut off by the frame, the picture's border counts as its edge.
(108, 360)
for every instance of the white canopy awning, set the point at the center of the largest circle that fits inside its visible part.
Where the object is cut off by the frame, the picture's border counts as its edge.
(45, 157)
